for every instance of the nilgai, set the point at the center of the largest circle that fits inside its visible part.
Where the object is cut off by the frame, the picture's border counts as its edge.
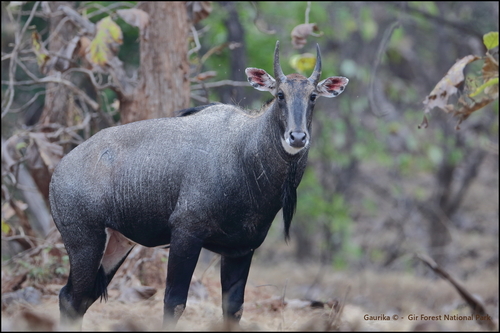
(214, 178)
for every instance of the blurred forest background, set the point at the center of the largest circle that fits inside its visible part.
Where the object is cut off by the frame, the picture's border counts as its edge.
(381, 185)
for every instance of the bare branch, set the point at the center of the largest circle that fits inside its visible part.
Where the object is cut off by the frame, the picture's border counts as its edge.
(199, 98)
(475, 304)
(77, 19)
(108, 9)
(28, 103)
(91, 77)
(258, 24)
(196, 41)
(308, 9)
(18, 38)
(26, 70)
(381, 50)
(55, 32)
(471, 170)
(105, 117)
(220, 84)
(54, 79)
(464, 28)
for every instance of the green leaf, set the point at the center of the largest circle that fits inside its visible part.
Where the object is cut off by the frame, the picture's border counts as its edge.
(21, 145)
(490, 40)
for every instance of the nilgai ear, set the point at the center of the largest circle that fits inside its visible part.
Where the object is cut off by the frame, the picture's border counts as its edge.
(260, 80)
(332, 87)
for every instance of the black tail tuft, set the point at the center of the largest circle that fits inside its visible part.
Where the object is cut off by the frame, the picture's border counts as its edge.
(101, 285)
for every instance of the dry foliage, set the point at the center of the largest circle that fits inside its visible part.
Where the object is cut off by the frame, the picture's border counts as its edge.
(301, 32)
(450, 83)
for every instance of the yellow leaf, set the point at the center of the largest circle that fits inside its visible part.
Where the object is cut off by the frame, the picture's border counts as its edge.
(303, 62)
(98, 52)
(111, 29)
(42, 55)
(108, 32)
(5, 228)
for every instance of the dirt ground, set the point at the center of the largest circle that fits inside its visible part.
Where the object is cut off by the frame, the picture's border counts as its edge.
(366, 300)
(282, 295)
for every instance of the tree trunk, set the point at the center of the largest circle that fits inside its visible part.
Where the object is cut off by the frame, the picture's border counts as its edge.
(164, 73)
(237, 56)
(57, 96)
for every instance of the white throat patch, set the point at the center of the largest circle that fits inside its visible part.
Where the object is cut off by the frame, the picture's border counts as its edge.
(289, 149)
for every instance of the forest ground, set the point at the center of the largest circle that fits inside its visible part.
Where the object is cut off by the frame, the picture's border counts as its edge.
(280, 291)
(360, 293)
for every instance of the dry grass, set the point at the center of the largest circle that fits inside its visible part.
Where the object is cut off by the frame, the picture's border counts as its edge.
(359, 293)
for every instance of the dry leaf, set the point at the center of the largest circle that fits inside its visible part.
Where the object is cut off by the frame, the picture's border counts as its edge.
(467, 109)
(42, 54)
(447, 86)
(82, 47)
(490, 72)
(198, 10)
(206, 75)
(490, 68)
(50, 153)
(425, 123)
(301, 32)
(135, 17)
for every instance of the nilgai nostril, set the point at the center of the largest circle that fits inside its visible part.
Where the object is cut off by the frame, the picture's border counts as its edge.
(298, 139)
(213, 178)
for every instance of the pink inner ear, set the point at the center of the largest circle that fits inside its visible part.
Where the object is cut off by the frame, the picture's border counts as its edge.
(257, 76)
(335, 84)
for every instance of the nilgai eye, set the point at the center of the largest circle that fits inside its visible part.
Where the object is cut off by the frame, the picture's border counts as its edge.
(281, 96)
(313, 97)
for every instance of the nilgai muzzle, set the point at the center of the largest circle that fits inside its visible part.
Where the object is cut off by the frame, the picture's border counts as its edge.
(214, 178)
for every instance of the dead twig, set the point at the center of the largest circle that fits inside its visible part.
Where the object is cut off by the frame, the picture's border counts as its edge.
(52, 79)
(334, 317)
(476, 305)
(381, 50)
